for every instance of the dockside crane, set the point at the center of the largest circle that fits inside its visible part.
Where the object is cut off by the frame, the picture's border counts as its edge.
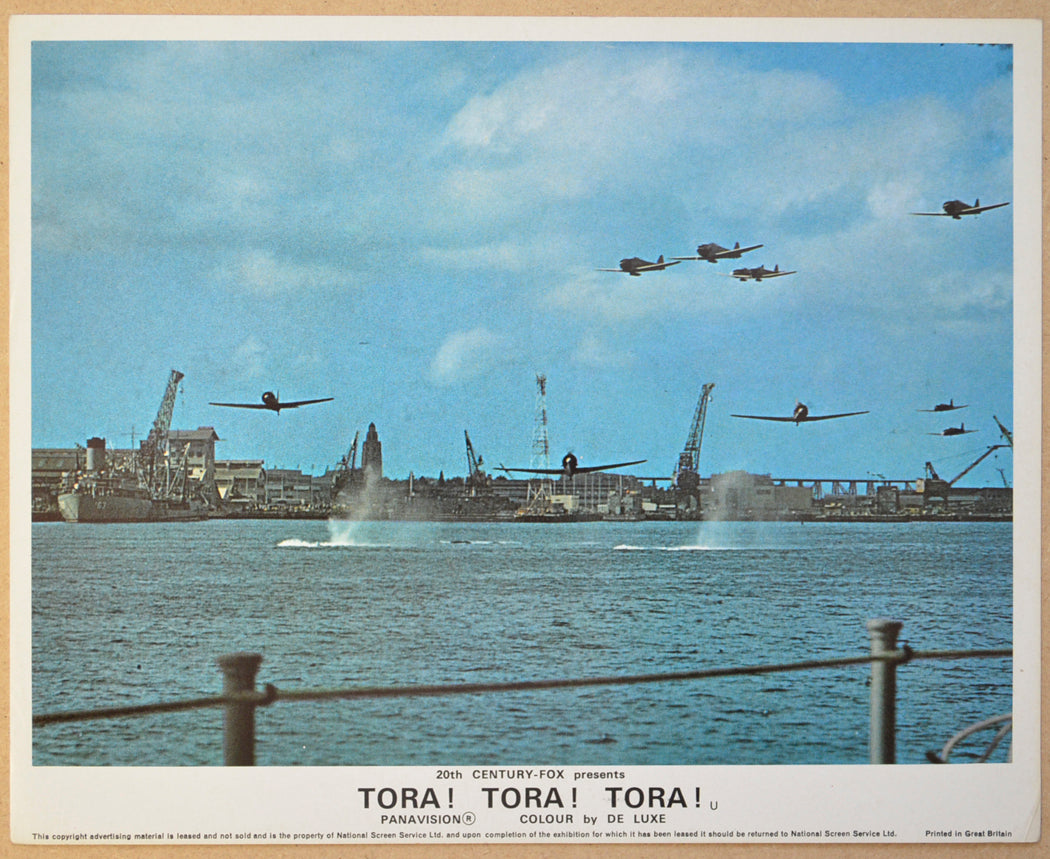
(931, 474)
(935, 486)
(344, 474)
(154, 453)
(476, 477)
(687, 474)
(1006, 434)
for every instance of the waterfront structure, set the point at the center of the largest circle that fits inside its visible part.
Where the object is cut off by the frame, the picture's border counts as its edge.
(199, 447)
(741, 495)
(240, 483)
(287, 487)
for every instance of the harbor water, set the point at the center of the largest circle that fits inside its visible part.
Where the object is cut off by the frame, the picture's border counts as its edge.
(138, 613)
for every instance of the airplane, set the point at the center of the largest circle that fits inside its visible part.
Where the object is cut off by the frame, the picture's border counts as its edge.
(801, 415)
(713, 253)
(944, 407)
(570, 466)
(957, 208)
(746, 274)
(959, 430)
(271, 402)
(635, 266)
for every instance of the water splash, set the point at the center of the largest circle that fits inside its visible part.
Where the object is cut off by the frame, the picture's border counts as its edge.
(345, 532)
(342, 533)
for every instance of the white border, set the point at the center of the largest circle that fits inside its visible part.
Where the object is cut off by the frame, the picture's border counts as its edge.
(905, 800)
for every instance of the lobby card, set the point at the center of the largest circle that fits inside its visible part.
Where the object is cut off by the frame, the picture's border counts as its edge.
(552, 189)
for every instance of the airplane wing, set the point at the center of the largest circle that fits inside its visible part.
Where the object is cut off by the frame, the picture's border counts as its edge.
(946, 409)
(588, 469)
(729, 253)
(932, 214)
(792, 420)
(585, 470)
(241, 405)
(829, 417)
(765, 418)
(297, 403)
(732, 253)
(657, 266)
(741, 277)
(619, 270)
(976, 210)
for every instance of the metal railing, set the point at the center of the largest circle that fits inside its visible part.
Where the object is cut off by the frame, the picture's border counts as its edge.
(240, 697)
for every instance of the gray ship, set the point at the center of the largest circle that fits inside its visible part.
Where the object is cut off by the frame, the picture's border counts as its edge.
(152, 487)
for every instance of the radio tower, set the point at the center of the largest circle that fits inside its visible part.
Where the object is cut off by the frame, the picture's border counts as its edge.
(539, 498)
(541, 449)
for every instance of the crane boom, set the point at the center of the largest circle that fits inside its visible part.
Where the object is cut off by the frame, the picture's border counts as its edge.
(689, 458)
(345, 473)
(154, 448)
(1009, 436)
(477, 478)
(976, 462)
(472, 460)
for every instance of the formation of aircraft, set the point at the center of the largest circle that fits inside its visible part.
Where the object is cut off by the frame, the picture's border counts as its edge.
(760, 273)
(634, 266)
(944, 407)
(271, 402)
(799, 416)
(570, 466)
(711, 252)
(957, 208)
(959, 430)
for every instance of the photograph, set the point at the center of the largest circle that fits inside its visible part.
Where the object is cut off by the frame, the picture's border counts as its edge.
(525, 430)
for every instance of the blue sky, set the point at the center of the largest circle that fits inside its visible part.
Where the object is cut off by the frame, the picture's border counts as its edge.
(415, 228)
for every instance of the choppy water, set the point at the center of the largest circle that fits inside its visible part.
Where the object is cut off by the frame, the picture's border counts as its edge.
(130, 614)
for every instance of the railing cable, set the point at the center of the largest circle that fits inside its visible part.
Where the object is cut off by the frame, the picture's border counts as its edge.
(270, 693)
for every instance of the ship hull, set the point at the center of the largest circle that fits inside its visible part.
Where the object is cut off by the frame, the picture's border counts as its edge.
(83, 507)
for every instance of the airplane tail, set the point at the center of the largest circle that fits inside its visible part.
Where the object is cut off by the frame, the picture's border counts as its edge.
(661, 258)
(736, 246)
(776, 267)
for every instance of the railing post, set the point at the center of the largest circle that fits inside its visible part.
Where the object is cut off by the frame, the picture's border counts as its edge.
(238, 736)
(883, 739)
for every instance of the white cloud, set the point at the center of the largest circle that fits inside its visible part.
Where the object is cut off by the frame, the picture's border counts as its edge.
(261, 272)
(247, 361)
(463, 355)
(595, 351)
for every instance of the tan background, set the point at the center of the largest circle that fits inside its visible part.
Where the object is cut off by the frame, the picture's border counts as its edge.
(594, 8)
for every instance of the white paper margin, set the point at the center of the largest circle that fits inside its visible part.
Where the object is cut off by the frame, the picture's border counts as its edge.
(91, 805)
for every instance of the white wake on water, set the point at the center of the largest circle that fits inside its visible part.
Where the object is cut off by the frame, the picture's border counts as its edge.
(623, 547)
(342, 534)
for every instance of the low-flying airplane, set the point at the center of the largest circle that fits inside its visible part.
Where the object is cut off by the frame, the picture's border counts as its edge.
(713, 253)
(957, 208)
(746, 274)
(800, 415)
(271, 402)
(634, 266)
(570, 466)
(944, 407)
(959, 430)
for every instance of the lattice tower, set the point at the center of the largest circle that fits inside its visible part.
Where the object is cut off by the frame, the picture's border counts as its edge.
(541, 448)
